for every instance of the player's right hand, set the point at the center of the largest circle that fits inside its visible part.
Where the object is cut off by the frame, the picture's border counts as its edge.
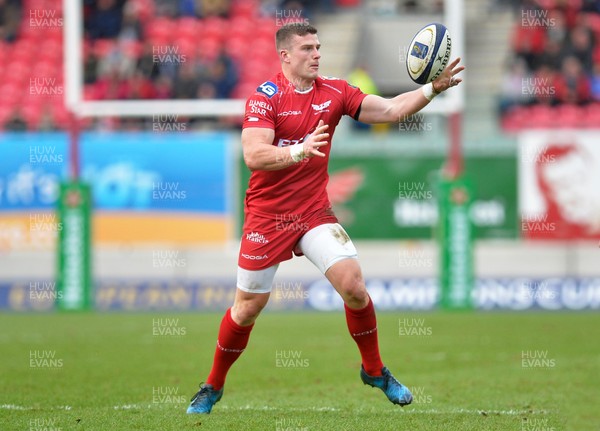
(316, 140)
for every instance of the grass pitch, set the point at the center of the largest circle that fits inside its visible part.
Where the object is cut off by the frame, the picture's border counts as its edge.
(494, 371)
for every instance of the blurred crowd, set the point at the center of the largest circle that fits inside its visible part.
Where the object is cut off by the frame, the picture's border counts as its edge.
(138, 49)
(130, 66)
(10, 16)
(555, 55)
(138, 66)
(144, 49)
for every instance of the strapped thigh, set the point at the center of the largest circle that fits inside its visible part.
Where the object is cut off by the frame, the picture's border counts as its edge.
(259, 281)
(327, 244)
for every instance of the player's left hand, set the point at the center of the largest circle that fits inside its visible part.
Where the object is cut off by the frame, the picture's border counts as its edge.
(447, 77)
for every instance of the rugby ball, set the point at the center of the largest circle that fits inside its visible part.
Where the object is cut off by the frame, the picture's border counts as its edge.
(428, 53)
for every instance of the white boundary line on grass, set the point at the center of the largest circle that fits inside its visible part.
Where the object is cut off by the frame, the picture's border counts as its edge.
(16, 407)
(395, 411)
(248, 407)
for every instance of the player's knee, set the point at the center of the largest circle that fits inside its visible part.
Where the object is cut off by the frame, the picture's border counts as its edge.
(354, 291)
(245, 313)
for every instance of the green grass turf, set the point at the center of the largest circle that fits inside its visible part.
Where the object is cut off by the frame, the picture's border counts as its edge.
(466, 371)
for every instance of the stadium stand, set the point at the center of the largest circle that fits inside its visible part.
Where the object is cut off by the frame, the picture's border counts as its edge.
(553, 75)
(137, 49)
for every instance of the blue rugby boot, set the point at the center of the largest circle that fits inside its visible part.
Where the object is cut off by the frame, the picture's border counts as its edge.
(204, 400)
(396, 392)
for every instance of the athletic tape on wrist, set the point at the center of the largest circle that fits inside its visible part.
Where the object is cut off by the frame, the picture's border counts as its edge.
(297, 152)
(428, 91)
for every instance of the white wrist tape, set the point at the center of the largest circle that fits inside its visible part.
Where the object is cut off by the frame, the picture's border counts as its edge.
(428, 91)
(297, 152)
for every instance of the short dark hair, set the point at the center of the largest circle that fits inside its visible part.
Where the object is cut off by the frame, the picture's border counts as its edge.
(285, 33)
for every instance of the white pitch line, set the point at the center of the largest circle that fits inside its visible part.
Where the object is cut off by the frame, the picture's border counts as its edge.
(481, 412)
(408, 410)
(16, 407)
(12, 407)
(287, 409)
(248, 407)
(131, 407)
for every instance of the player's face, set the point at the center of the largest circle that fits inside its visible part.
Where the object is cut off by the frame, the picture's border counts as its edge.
(303, 57)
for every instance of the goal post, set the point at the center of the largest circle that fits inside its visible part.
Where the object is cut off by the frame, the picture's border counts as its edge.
(454, 230)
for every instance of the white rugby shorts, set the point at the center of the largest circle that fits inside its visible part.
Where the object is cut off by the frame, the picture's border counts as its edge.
(323, 245)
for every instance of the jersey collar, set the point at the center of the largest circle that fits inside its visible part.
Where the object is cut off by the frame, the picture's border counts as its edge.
(289, 84)
(308, 90)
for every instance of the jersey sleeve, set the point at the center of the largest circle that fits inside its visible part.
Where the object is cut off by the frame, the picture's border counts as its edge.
(353, 98)
(260, 111)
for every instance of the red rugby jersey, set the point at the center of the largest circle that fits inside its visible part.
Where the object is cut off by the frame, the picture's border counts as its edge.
(299, 189)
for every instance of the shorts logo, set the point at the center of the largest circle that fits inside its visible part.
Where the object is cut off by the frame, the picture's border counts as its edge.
(257, 238)
(267, 88)
(254, 257)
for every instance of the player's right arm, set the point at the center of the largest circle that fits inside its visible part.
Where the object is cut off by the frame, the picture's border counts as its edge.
(260, 153)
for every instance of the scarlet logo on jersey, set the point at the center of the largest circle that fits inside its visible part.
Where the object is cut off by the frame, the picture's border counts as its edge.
(256, 237)
(322, 107)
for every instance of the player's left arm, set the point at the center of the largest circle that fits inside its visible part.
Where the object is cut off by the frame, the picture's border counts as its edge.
(376, 109)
